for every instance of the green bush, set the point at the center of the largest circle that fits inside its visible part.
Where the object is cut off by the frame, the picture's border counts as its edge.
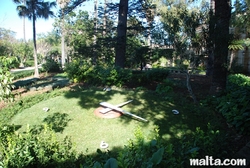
(142, 78)
(157, 74)
(208, 142)
(39, 147)
(35, 149)
(51, 66)
(141, 152)
(83, 71)
(80, 71)
(153, 151)
(165, 87)
(29, 63)
(6, 78)
(234, 104)
(139, 78)
(112, 76)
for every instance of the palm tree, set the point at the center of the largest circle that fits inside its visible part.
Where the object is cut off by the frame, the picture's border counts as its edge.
(63, 4)
(34, 9)
(24, 2)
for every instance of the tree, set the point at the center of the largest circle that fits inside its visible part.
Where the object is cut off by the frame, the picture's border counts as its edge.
(120, 51)
(240, 23)
(222, 16)
(95, 32)
(150, 12)
(63, 4)
(7, 39)
(50, 44)
(210, 39)
(80, 34)
(6, 78)
(23, 51)
(23, 3)
(34, 9)
(180, 23)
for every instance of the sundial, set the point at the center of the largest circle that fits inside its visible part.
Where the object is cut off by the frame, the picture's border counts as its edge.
(108, 110)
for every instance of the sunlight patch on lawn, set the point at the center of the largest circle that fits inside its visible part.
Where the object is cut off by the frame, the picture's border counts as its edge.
(85, 129)
(72, 114)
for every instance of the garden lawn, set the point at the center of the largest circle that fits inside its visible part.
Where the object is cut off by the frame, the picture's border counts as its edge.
(72, 114)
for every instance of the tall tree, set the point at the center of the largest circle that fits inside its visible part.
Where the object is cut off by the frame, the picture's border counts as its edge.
(80, 28)
(121, 34)
(95, 32)
(222, 15)
(24, 3)
(240, 22)
(104, 32)
(63, 4)
(34, 9)
(150, 11)
(210, 39)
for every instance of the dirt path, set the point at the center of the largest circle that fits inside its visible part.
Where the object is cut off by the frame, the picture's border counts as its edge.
(22, 92)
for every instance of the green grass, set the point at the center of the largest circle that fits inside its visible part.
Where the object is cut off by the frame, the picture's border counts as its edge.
(24, 73)
(72, 114)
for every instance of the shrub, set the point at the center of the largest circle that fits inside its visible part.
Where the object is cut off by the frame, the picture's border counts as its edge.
(139, 78)
(79, 71)
(51, 66)
(35, 149)
(153, 151)
(208, 142)
(112, 76)
(142, 78)
(29, 63)
(141, 152)
(97, 75)
(234, 104)
(83, 71)
(38, 147)
(6, 78)
(157, 74)
(164, 87)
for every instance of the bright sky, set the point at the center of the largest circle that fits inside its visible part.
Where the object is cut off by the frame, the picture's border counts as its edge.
(10, 20)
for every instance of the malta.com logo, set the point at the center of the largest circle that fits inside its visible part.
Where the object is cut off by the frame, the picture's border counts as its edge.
(210, 161)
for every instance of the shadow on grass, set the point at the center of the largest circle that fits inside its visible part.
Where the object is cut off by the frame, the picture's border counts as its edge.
(91, 98)
(151, 106)
(57, 121)
(146, 104)
(56, 81)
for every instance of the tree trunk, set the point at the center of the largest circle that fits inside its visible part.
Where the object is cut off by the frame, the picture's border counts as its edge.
(210, 40)
(121, 34)
(232, 58)
(149, 34)
(104, 32)
(63, 41)
(24, 34)
(35, 50)
(246, 60)
(95, 33)
(222, 14)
